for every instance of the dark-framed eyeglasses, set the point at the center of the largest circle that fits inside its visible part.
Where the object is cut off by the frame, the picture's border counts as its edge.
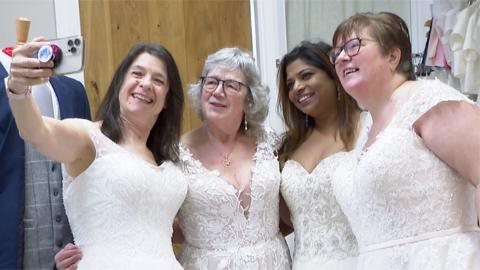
(230, 86)
(351, 48)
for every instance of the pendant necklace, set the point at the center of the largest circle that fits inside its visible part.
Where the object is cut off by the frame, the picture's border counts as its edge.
(226, 158)
(227, 161)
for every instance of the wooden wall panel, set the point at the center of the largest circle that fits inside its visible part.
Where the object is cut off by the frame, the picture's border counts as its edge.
(168, 29)
(99, 61)
(129, 25)
(189, 29)
(210, 26)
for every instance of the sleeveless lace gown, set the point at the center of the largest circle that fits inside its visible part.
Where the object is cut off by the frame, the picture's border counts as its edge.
(121, 209)
(323, 237)
(407, 208)
(218, 234)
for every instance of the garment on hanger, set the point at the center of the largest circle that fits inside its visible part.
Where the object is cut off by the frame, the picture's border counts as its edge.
(464, 42)
(435, 52)
(445, 14)
(456, 24)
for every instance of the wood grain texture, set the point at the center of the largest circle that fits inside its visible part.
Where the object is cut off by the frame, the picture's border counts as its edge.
(189, 29)
(99, 62)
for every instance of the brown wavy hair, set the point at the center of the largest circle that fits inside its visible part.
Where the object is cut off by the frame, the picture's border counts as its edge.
(297, 128)
(165, 133)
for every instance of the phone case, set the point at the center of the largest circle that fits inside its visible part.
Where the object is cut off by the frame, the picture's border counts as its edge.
(72, 54)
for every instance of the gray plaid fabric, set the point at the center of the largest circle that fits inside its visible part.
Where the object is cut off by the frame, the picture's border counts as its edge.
(46, 228)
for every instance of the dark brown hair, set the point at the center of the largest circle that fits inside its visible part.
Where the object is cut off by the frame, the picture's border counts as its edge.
(388, 29)
(297, 129)
(165, 133)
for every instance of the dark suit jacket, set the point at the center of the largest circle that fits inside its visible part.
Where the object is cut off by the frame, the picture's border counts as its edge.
(73, 103)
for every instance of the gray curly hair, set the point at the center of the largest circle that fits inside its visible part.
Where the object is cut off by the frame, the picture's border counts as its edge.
(256, 103)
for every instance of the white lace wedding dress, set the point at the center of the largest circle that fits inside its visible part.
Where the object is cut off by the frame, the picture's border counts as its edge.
(323, 237)
(121, 209)
(407, 208)
(218, 234)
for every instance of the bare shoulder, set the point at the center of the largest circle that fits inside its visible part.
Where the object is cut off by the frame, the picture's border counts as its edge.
(448, 114)
(191, 138)
(450, 130)
(248, 143)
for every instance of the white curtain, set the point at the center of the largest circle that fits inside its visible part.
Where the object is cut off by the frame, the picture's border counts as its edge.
(316, 20)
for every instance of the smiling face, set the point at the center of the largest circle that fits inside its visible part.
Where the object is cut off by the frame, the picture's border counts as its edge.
(311, 90)
(145, 87)
(364, 72)
(220, 106)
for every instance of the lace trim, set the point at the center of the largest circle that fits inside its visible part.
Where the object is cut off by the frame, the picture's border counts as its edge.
(266, 145)
(426, 96)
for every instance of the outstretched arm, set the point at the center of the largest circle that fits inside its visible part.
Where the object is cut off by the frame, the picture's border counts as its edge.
(66, 141)
(451, 130)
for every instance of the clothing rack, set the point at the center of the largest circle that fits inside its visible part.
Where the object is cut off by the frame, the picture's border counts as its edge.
(420, 69)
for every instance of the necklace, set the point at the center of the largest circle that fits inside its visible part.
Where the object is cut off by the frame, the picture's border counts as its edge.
(227, 160)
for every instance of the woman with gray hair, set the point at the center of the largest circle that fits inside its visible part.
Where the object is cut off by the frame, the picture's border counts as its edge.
(230, 218)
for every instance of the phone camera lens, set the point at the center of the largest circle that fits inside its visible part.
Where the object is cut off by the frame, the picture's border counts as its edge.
(70, 42)
(73, 50)
(77, 41)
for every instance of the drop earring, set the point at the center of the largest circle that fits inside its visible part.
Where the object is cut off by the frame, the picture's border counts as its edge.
(245, 123)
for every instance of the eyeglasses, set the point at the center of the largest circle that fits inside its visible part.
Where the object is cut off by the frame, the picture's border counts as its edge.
(230, 86)
(351, 48)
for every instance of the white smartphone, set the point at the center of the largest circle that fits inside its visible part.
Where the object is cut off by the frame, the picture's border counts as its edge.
(67, 54)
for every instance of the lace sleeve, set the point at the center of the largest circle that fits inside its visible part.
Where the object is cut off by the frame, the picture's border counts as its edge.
(187, 163)
(185, 157)
(101, 142)
(268, 144)
(429, 94)
(94, 134)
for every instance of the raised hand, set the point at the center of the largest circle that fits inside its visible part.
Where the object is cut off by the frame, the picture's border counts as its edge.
(26, 70)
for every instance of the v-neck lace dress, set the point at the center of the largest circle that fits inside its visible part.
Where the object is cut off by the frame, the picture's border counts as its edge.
(218, 234)
(121, 209)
